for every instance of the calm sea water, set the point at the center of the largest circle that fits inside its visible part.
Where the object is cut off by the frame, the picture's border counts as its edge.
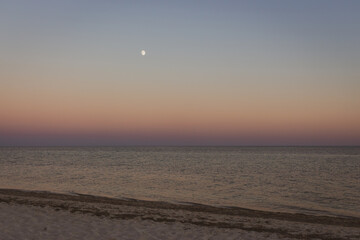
(321, 181)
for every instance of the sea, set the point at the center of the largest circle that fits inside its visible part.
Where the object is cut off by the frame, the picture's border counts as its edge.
(308, 180)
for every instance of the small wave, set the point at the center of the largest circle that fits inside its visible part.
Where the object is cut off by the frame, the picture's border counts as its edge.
(65, 200)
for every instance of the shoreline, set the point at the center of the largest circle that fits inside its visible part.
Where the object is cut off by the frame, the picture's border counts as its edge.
(346, 221)
(289, 225)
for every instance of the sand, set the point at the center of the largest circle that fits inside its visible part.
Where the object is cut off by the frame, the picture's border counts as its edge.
(24, 222)
(44, 215)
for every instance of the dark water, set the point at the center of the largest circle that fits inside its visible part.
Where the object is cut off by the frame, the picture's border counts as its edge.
(319, 181)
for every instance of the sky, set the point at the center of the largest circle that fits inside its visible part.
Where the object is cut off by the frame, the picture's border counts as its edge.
(214, 73)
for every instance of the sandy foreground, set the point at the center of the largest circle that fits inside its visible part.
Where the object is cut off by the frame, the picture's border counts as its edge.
(45, 215)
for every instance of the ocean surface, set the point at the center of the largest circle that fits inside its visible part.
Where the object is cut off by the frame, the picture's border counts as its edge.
(310, 180)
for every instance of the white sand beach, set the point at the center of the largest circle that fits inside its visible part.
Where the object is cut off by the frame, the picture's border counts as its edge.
(43, 215)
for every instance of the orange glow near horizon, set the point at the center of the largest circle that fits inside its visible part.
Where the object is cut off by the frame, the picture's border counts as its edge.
(174, 115)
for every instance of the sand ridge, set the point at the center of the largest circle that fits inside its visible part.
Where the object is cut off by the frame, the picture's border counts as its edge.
(283, 225)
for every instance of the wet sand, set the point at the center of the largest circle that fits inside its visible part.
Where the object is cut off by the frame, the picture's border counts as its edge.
(240, 221)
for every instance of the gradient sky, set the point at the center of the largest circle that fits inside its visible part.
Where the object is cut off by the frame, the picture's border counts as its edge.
(215, 72)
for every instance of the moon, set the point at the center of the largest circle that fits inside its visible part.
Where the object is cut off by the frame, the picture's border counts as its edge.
(143, 52)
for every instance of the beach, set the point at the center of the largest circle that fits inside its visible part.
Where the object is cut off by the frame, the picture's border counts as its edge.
(47, 215)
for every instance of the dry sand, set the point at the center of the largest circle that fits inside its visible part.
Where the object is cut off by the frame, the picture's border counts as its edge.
(45, 215)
